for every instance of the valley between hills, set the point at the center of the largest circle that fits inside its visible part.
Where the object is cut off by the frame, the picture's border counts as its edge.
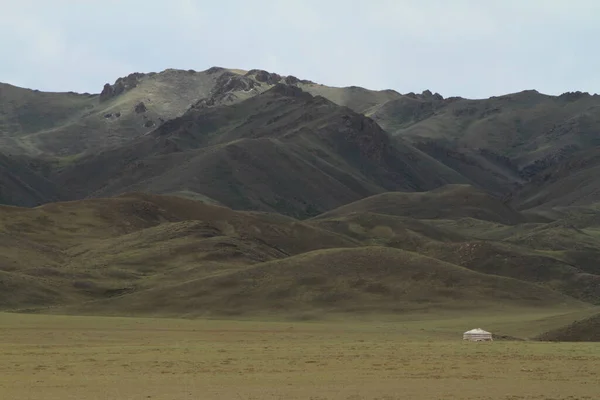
(245, 194)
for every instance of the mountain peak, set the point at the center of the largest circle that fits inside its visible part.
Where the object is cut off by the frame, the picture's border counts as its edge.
(289, 91)
(121, 85)
(263, 76)
(573, 96)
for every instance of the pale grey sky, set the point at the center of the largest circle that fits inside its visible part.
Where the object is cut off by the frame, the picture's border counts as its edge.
(471, 48)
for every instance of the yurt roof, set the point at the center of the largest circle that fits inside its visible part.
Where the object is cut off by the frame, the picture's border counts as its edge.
(477, 331)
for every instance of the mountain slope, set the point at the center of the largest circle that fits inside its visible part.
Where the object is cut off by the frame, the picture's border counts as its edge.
(570, 182)
(484, 169)
(22, 184)
(24, 112)
(519, 147)
(67, 124)
(498, 143)
(282, 150)
(526, 126)
(501, 143)
(134, 105)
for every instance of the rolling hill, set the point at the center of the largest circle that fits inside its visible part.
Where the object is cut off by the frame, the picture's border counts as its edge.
(368, 279)
(103, 247)
(230, 192)
(447, 202)
(585, 330)
(468, 228)
(166, 255)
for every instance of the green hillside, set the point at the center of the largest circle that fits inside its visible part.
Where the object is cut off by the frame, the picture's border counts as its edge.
(228, 192)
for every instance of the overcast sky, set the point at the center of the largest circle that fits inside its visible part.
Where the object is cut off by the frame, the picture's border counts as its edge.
(474, 49)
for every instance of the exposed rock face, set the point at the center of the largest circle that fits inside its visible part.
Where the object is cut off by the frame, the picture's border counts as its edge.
(230, 82)
(121, 85)
(225, 87)
(452, 99)
(290, 91)
(264, 76)
(270, 78)
(292, 80)
(573, 96)
(112, 116)
(140, 108)
(536, 169)
(214, 70)
(362, 134)
(107, 92)
(427, 95)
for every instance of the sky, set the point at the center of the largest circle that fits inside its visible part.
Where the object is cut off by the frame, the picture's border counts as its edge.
(468, 48)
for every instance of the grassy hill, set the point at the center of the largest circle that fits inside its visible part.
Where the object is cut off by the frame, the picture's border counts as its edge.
(448, 202)
(585, 330)
(466, 227)
(258, 184)
(91, 249)
(25, 112)
(165, 255)
(369, 279)
(356, 98)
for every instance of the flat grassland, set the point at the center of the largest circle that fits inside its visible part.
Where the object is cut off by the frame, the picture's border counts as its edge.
(418, 357)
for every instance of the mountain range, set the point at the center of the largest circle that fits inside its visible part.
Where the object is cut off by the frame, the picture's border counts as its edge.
(230, 192)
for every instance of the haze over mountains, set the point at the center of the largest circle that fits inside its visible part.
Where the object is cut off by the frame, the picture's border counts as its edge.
(228, 192)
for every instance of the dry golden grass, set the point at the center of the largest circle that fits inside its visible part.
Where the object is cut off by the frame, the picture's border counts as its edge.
(90, 358)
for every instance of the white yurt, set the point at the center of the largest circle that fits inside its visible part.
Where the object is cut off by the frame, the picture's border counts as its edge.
(477, 335)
